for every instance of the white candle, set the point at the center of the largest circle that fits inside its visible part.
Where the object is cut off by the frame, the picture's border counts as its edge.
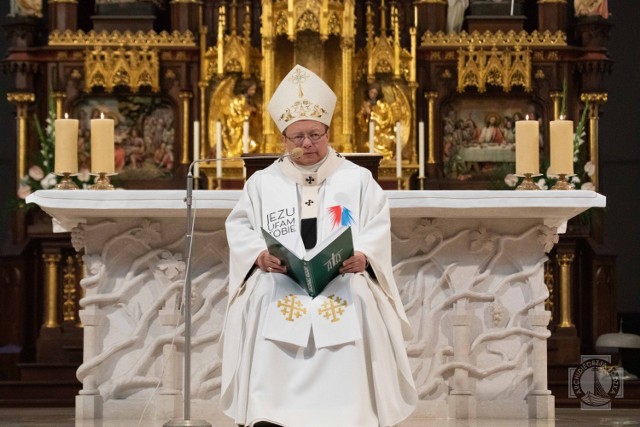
(398, 151)
(66, 145)
(218, 149)
(527, 151)
(561, 141)
(196, 148)
(102, 145)
(372, 132)
(245, 135)
(420, 149)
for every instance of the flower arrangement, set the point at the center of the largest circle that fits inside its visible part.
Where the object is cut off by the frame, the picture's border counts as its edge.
(40, 175)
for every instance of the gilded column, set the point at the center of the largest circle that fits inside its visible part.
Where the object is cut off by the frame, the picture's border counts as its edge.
(347, 46)
(268, 66)
(22, 101)
(347, 94)
(594, 100)
(59, 98)
(69, 281)
(565, 262)
(202, 86)
(557, 101)
(186, 99)
(431, 161)
(51, 290)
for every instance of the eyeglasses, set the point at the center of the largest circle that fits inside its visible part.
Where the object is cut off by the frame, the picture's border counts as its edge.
(314, 137)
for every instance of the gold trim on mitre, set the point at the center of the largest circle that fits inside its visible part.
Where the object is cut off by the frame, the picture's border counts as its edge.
(302, 95)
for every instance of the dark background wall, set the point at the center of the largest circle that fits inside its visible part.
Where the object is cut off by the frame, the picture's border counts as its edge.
(7, 138)
(619, 150)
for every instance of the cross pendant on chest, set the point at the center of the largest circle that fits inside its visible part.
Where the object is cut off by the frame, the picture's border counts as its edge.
(308, 202)
(310, 180)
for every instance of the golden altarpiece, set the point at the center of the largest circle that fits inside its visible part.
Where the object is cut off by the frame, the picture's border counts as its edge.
(187, 79)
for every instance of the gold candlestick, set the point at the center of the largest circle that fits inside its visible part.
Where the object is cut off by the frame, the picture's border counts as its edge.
(527, 183)
(102, 183)
(563, 183)
(66, 183)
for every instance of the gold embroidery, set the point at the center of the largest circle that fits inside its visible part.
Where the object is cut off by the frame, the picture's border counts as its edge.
(333, 308)
(291, 306)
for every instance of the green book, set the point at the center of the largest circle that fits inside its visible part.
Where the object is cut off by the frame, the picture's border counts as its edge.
(320, 265)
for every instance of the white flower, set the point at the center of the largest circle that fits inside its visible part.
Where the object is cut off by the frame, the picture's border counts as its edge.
(588, 186)
(49, 181)
(36, 173)
(590, 168)
(542, 184)
(23, 191)
(84, 175)
(511, 180)
(575, 179)
(551, 175)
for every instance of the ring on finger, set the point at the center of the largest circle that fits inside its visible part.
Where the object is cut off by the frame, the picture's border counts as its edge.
(269, 269)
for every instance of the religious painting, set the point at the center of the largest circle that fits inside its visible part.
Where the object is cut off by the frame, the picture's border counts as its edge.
(479, 135)
(144, 134)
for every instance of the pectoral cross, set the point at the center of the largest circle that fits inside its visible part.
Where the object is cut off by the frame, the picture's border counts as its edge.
(308, 202)
(310, 180)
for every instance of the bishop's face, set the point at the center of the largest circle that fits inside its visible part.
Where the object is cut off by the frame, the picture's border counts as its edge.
(311, 136)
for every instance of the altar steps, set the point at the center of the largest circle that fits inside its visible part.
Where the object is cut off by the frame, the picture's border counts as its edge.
(41, 385)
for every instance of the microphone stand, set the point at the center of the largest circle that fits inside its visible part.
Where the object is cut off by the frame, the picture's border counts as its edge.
(186, 421)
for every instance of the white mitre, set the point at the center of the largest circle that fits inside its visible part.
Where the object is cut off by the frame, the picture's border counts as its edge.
(302, 95)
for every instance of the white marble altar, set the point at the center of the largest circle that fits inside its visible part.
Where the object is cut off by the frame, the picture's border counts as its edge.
(469, 266)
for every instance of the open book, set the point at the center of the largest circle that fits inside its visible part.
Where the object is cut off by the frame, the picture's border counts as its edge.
(320, 265)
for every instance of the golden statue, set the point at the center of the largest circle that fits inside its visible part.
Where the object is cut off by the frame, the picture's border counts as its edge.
(384, 116)
(233, 109)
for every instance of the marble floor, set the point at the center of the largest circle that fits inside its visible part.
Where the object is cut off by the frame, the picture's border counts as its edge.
(62, 417)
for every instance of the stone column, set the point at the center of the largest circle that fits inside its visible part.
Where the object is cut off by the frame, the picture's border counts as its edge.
(540, 401)
(169, 398)
(461, 401)
(89, 400)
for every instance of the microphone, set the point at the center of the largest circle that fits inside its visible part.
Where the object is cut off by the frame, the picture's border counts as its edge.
(295, 154)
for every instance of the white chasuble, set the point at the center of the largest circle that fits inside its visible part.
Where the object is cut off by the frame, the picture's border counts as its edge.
(317, 372)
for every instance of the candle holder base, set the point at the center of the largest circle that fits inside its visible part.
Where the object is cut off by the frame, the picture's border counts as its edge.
(527, 183)
(563, 183)
(102, 183)
(66, 183)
